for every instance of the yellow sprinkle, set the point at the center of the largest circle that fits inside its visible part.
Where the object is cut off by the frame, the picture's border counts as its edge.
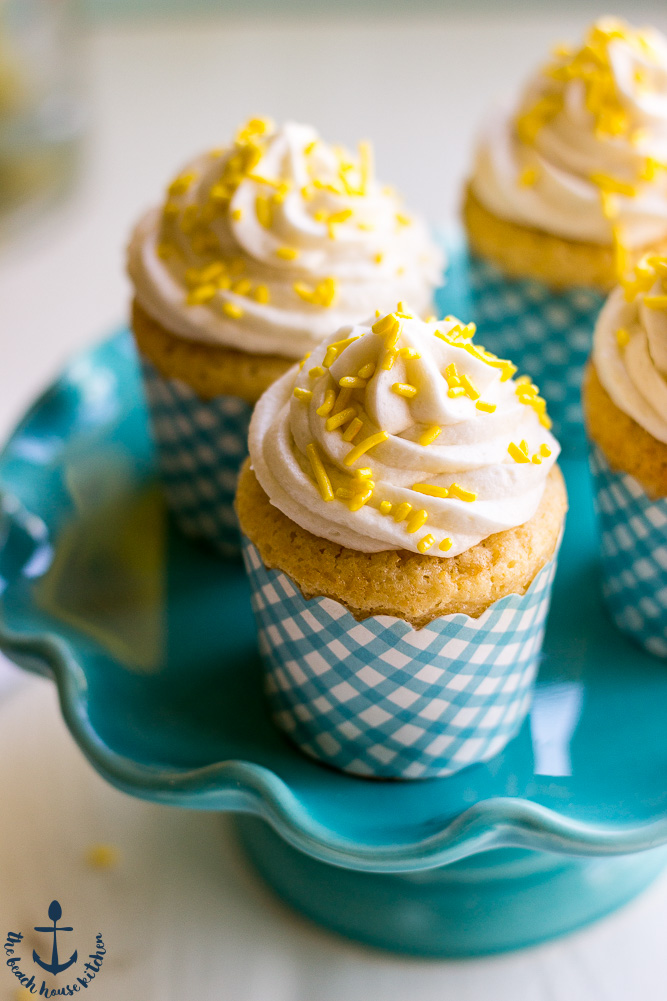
(404, 389)
(305, 395)
(341, 345)
(529, 176)
(545, 451)
(363, 446)
(523, 445)
(231, 310)
(409, 354)
(465, 495)
(389, 359)
(517, 454)
(469, 387)
(378, 258)
(416, 521)
(319, 472)
(316, 371)
(261, 294)
(386, 325)
(242, 286)
(352, 382)
(403, 311)
(385, 507)
(429, 436)
(402, 219)
(342, 493)
(102, 856)
(656, 301)
(342, 399)
(181, 184)
(367, 371)
(353, 430)
(537, 459)
(330, 356)
(614, 185)
(203, 293)
(309, 147)
(339, 419)
(622, 337)
(364, 473)
(287, 253)
(237, 214)
(445, 545)
(260, 179)
(456, 391)
(361, 498)
(425, 543)
(431, 490)
(264, 211)
(304, 359)
(327, 406)
(402, 511)
(452, 375)
(488, 408)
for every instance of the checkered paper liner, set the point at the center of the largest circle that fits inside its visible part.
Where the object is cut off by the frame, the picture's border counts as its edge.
(633, 531)
(380, 699)
(201, 446)
(546, 333)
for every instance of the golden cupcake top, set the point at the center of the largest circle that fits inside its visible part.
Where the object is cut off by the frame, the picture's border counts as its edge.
(403, 434)
(273, 242)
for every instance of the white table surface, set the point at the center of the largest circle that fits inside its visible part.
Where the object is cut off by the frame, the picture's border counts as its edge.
(186, 919)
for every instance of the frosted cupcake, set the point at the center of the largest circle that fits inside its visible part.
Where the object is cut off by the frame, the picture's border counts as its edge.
(258, 252)
(567, 191)
(625, 402)
(402, 516)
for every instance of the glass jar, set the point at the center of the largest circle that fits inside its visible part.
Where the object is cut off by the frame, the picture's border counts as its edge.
(41, 104)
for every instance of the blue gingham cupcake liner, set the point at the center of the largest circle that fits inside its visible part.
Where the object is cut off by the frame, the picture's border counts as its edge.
(547, 334)
(201, 446)
(381, 699)
(633, 530)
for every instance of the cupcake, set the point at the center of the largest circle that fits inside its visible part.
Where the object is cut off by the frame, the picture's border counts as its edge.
(401, 514)
(258, 252)
(567, 191)
(625, 402)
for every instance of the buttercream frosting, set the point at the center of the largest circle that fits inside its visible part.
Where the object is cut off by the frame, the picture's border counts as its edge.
(584, 156)
(271, 244)
(630, 346)
(403, 435)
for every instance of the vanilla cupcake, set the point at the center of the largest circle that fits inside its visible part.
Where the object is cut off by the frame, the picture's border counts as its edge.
(625, 402)
(258, 252)
(401, 521)
(568, 189)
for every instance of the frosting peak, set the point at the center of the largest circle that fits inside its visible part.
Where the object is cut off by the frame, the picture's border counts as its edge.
(280, 239)
(403, 434)
(585, 155)
(630, 346)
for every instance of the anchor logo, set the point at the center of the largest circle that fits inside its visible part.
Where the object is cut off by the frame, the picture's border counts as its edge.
(54, 967)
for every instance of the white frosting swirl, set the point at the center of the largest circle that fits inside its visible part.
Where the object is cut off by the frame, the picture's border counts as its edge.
(630, 347)
(586, 156)
(317, 245)
(445, 383)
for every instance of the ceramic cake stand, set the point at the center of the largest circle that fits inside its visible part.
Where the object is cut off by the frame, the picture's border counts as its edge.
(151, 643)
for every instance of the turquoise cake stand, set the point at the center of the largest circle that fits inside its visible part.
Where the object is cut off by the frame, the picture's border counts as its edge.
(151, 643)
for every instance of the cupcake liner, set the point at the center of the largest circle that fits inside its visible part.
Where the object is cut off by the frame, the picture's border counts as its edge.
(633, 532)
(547, 334)
(380, 698)
(201, 446)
